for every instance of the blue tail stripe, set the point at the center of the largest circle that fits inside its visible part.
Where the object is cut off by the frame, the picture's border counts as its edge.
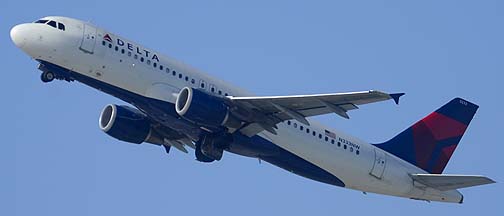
(454, 111)
(439, 149)
(400, 149)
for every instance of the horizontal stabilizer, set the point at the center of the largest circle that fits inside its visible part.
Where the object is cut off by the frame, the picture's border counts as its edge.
(450, 182)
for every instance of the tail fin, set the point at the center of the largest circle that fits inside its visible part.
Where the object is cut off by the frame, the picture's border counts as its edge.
(430, 142)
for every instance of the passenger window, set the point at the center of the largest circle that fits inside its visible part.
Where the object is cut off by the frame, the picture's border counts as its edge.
(123, 51)
(339, 144)
(288, 122)
(186, 78)
(314, 133)
(61, 26)
(220, 92)
(332, 141)
(174, 73)
(135, 56)
(295, 125)
(308, 130)
(142, 59)
(351, 149)
(110, 46)
(344, 146)
(160, 67)
(52, 23)
(154, 64)
(320, 136)
(193, 81)
(301, 127)
(357, 152)
(326, 139)
(116, 48)
(103, 43)
(129, 53)
(180, 76)
(148, 62)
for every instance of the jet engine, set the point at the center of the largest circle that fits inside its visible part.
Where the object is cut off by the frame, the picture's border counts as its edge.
(204, 109)
(128, 124)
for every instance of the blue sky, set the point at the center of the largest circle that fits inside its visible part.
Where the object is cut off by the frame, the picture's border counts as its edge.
(54, 160)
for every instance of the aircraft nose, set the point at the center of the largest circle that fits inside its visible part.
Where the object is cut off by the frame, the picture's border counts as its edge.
(19, 34)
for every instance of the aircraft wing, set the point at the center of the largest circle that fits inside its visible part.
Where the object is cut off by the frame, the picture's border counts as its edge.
(450, 182)
(271, 110)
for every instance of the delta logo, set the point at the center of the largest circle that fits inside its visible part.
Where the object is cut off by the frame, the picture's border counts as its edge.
(133, 48)
(107, 38)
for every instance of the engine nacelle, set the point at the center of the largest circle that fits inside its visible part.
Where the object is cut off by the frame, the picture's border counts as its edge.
(204, 109)
(128, 124)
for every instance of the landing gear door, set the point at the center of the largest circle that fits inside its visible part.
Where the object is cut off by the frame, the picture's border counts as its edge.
(379, 164)
(88, 39)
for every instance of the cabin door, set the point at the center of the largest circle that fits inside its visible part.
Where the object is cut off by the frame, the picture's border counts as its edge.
(379, 164)
(88, 39)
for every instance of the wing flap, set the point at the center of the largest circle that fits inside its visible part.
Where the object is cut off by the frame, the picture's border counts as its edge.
(177, 144)
(445, 182)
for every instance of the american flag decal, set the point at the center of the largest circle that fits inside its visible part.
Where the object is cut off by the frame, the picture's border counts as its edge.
(330, 134)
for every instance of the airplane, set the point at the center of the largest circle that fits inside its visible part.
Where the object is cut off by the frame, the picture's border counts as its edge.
(175, 105)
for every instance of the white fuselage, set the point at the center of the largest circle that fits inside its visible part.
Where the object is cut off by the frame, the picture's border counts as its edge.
(84, 49)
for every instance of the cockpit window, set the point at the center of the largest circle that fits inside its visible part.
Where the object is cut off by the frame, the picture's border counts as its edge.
(41, 21)
(61, 26)
(52, 23)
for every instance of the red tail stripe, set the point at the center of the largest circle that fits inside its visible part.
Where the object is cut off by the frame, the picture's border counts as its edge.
(443, 127)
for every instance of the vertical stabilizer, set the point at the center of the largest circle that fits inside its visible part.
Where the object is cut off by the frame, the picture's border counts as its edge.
(430, 142)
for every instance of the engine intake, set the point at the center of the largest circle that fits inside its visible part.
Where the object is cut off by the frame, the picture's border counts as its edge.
(128, 124)
(204, 109)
